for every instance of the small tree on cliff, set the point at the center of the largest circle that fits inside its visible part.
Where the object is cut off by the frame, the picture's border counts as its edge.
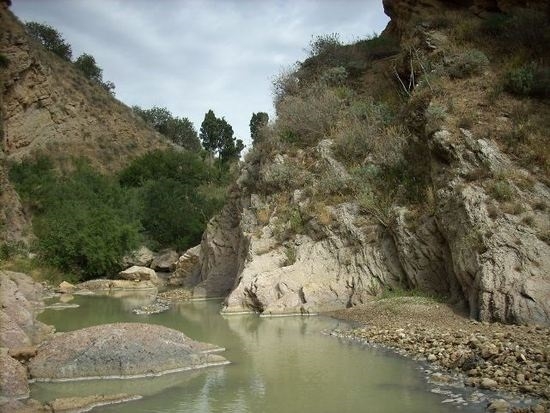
(50, 38)
(86, 64)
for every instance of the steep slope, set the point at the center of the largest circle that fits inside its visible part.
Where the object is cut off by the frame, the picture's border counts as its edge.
(417, 172)
(50, 108)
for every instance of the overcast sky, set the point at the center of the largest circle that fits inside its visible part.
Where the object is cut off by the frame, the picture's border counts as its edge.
(191, 56)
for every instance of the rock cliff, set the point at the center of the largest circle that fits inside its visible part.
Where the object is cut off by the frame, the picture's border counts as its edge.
(477, 237)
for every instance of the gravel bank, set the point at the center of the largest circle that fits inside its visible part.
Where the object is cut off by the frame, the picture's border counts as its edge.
(510, 358)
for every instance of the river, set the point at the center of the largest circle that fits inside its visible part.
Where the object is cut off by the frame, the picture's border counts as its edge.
(282, 364)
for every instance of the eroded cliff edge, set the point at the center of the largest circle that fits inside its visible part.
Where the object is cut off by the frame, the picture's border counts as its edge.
(308, 229)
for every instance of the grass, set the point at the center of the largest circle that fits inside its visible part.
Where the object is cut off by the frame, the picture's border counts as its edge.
(38, 270)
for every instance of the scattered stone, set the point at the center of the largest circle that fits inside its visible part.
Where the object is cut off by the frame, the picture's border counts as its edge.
(156, 307)
(499, 406)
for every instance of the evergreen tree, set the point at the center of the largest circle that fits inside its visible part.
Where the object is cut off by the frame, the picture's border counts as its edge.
(217, 138)
(257, 122)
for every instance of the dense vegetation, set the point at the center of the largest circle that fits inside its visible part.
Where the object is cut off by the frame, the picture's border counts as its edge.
(86, 222)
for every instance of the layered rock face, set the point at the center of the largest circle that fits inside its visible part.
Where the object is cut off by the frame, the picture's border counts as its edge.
(51, 108)
(279, 252)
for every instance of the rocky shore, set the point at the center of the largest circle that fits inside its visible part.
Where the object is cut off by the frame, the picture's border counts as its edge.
(491, 356)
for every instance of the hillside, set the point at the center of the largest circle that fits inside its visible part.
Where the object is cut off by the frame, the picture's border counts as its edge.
(414, 162)
(49, 108)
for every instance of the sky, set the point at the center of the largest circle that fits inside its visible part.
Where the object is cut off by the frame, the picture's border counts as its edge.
(191, 56)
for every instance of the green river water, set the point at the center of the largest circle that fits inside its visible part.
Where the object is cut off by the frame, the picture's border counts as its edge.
(282, 364)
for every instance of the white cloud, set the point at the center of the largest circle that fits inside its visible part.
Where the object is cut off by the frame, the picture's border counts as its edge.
(191, 56)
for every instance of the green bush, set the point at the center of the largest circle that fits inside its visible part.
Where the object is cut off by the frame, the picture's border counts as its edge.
(469, 63)
(4, 61)
(310, 118)
(83, 221)
(529, 80)
(501, 190)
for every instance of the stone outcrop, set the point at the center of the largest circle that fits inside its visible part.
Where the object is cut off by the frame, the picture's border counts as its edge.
(21, 299)
(121, 350)
(496, 267)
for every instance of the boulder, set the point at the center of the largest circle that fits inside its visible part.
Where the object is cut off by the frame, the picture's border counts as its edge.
(121, 350)
(21, 299)
(115, 285)
(165, 261)
(141, 257)
(137, 273)
(187, 267)
(13, 377)
(65, 288)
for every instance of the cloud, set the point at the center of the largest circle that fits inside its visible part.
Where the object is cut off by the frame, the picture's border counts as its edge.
(191, 56)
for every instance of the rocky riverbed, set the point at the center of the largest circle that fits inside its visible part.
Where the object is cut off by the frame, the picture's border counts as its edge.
(490, 356)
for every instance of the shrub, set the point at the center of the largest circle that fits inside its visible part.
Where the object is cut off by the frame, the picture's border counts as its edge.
(335, 76)
(469, 63)
(529, 80)
(4, 61)
(501, 190)
(324, 44)
(290, 256)
(310, 118)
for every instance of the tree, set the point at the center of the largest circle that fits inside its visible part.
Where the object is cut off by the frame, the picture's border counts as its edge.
(50, 38)
(217, 138)
(86, 64)
(179, 130)
(257, 122)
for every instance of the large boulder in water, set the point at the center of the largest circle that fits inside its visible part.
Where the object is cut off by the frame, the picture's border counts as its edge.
(121, 350)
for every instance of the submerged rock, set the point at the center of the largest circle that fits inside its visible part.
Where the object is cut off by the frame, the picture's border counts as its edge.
(121, 350)
(83, 404)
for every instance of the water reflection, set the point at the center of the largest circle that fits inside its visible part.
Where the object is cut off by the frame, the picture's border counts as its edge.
(278, 365)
